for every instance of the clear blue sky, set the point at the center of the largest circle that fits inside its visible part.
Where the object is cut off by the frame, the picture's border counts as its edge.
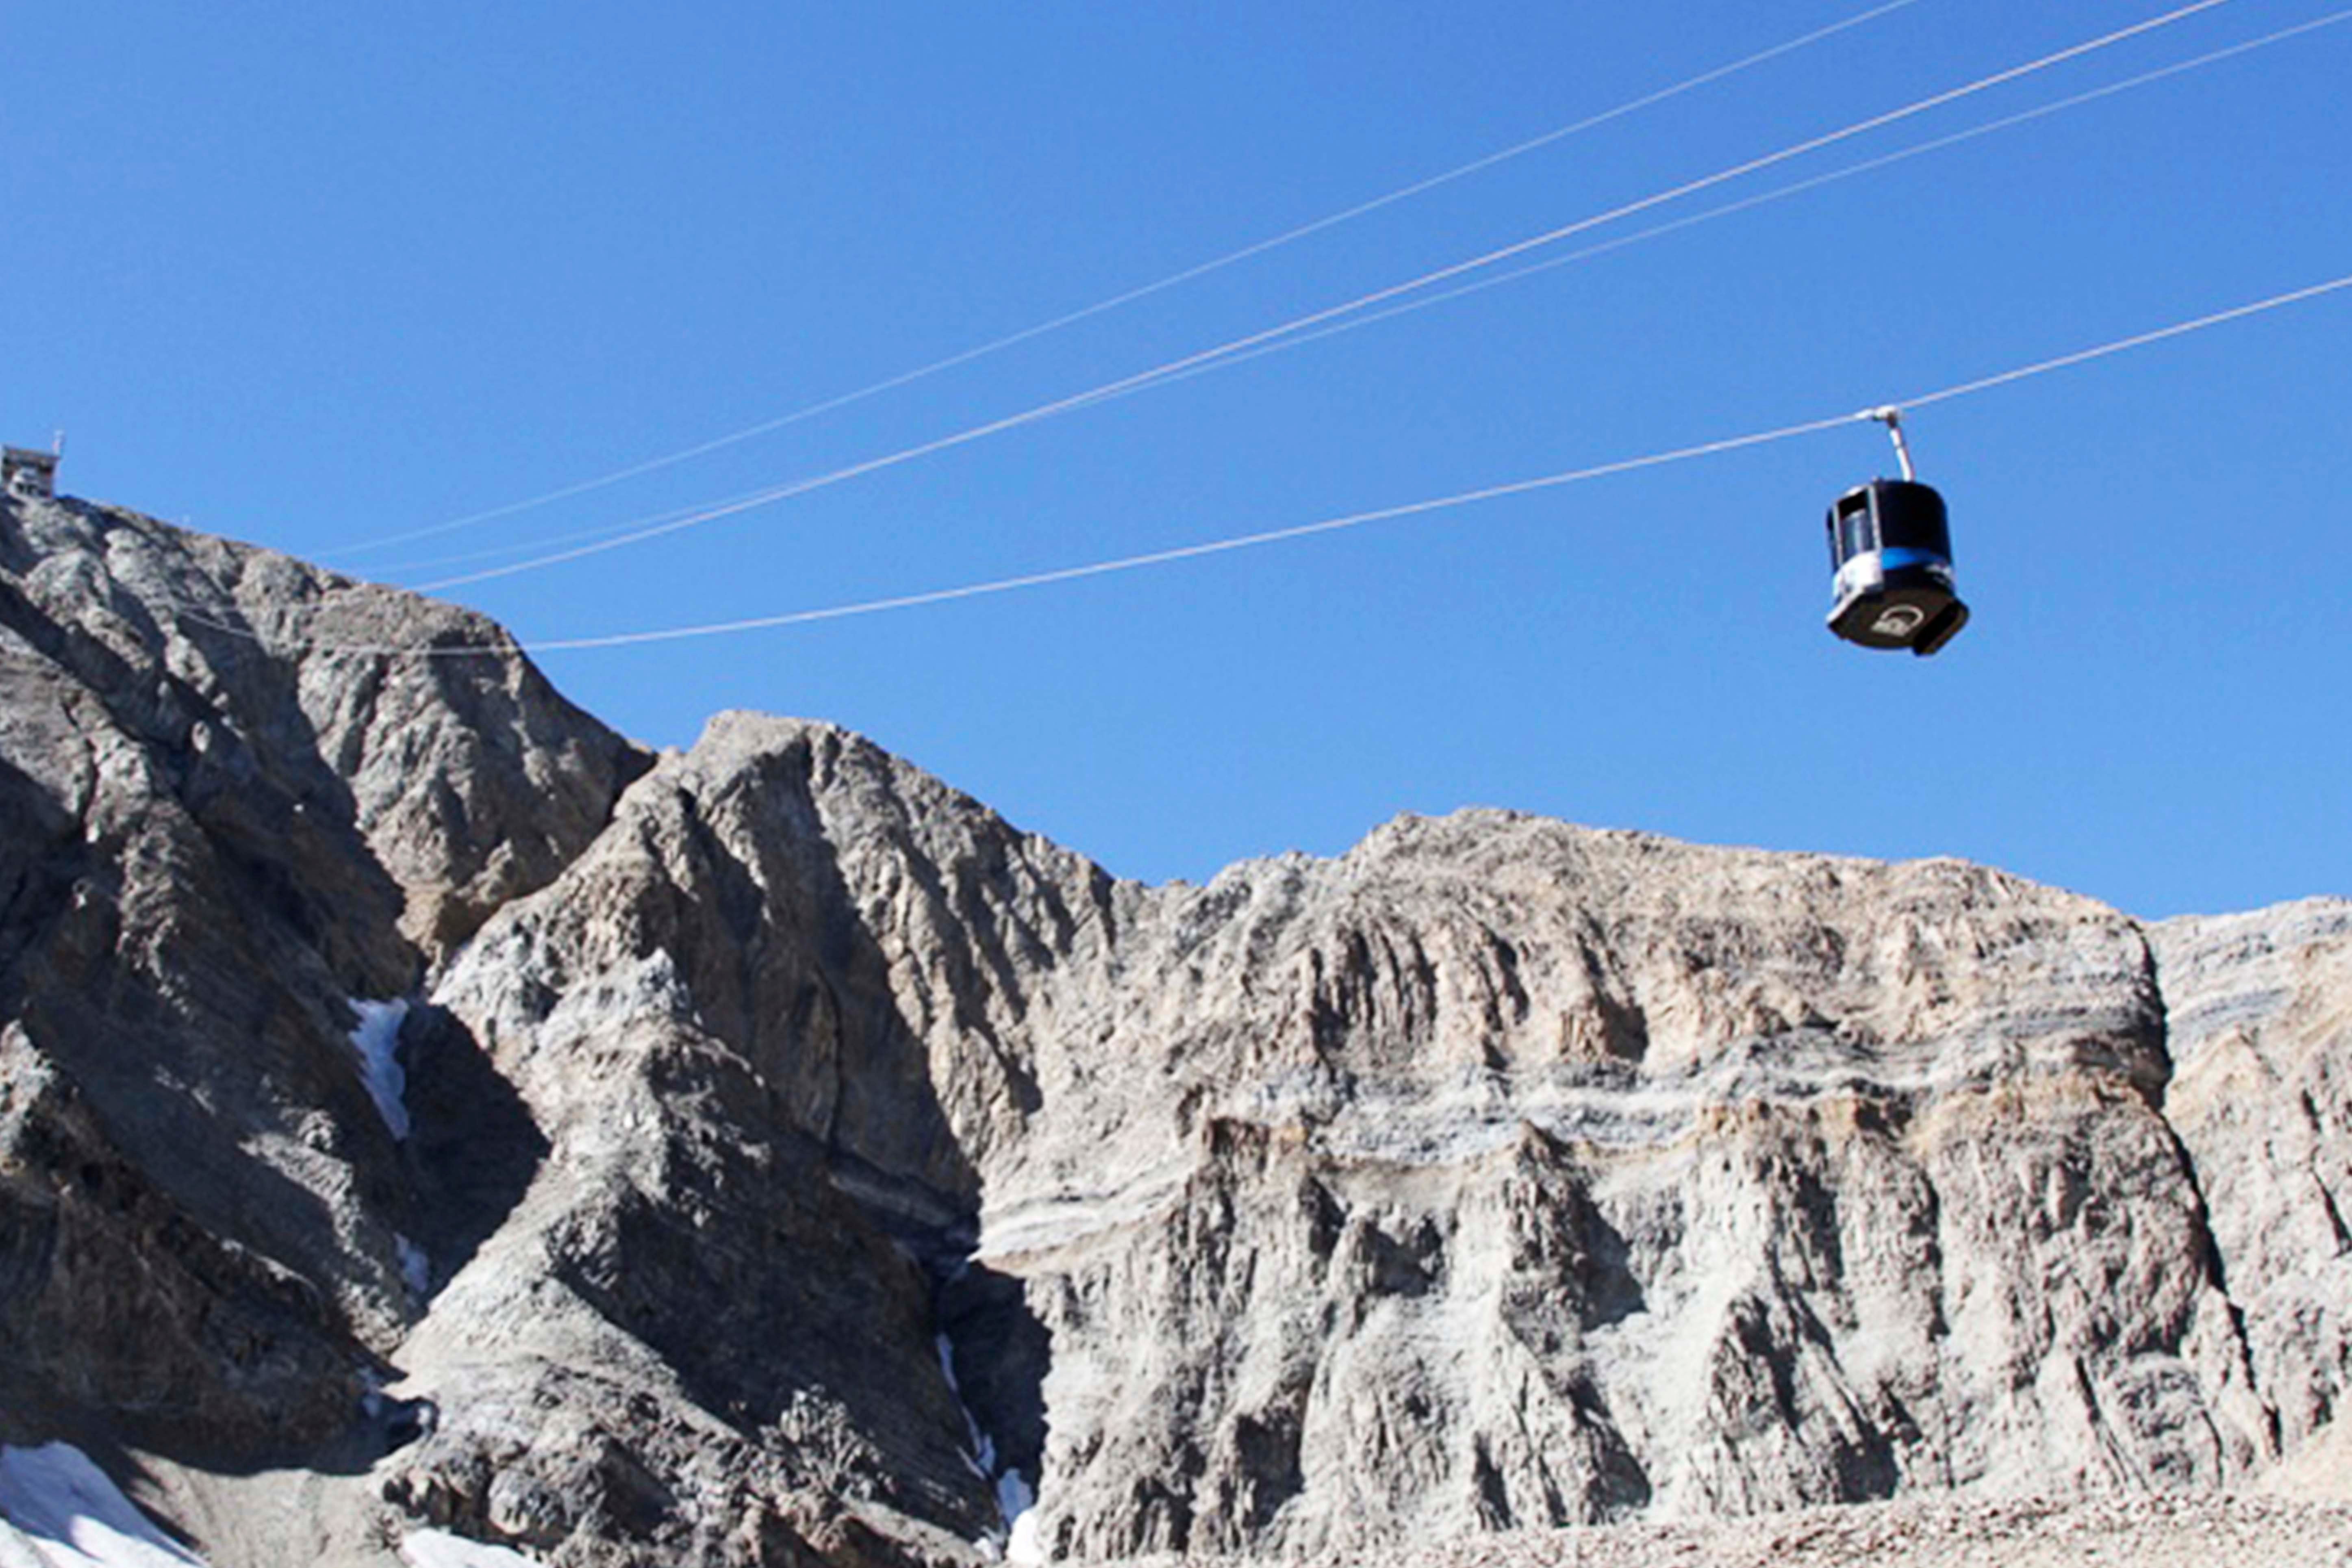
(310, 276)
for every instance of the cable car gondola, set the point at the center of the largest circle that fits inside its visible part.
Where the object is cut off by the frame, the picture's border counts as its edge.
(1891, 551)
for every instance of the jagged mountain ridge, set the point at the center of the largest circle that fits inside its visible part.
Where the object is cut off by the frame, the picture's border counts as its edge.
(1495, 1173)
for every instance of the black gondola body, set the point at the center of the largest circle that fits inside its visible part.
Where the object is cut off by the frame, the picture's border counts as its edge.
(1891, 548)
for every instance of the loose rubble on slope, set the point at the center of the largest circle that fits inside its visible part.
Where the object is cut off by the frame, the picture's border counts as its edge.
(2161, 1531)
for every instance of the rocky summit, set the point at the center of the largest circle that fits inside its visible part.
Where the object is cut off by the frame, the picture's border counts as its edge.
(426, 1116)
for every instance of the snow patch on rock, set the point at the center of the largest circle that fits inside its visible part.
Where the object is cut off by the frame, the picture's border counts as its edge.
(439, 1549)
(1016, 1541)
(416, 1268)
(376, 1044)
(57, 1509)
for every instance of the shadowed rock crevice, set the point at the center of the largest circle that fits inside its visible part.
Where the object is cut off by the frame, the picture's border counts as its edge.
(473, 1150)
(1002, 1352)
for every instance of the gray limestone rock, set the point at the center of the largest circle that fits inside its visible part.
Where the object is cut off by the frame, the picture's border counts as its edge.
(203, 859)
(795, 1147)
(2260, 1016)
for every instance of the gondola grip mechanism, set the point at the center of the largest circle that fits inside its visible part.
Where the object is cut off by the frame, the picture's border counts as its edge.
(1886, 414)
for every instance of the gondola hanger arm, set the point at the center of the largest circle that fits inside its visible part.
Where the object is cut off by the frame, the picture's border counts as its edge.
(1886, 414)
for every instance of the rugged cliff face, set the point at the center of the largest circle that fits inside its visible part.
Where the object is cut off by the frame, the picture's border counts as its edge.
(790, 1150)
(208, 849)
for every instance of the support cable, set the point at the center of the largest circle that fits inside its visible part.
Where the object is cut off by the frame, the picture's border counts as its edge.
(790, 490)
(1174, 279)
(1300, 531)
(1744, 203)
(1584, 253)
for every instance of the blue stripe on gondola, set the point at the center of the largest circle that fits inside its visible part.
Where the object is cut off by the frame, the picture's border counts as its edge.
(1904, 555)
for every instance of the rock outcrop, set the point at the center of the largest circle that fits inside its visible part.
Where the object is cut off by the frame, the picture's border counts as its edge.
(213, 838)
(2261, 1033)
(796, 1150)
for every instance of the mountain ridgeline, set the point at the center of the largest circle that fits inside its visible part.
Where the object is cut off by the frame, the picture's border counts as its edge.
(792, 1162)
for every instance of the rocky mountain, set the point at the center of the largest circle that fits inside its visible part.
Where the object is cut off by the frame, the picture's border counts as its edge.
(765, 1155)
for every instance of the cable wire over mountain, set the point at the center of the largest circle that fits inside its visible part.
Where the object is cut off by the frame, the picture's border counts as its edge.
(1173, 554)
(1174, 279)
(673, 523)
